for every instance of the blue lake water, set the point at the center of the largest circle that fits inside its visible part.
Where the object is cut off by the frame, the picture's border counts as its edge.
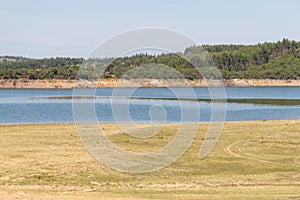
(55, 106)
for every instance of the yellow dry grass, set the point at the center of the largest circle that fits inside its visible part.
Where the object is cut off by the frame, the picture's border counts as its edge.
(252, 160)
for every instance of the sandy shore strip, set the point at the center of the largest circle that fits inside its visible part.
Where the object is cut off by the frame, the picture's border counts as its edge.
(110, 83)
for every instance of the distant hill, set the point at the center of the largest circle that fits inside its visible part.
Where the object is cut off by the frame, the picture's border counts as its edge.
(277, 60)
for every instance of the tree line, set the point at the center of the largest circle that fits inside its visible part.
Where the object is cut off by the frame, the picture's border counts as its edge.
(269, 60)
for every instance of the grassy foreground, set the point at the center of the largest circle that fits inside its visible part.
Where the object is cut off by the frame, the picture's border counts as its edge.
(252, 160)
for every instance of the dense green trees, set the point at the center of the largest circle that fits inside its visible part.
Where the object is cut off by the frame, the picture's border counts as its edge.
(279, 60)
(48, 68)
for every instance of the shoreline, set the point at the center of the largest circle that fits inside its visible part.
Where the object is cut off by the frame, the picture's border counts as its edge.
(127, 83)
(143, 123)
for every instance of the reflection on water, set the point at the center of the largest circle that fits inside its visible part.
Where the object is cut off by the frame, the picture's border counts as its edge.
(243, 101)
(55, 106)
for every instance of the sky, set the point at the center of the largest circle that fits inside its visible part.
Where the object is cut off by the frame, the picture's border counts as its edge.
(72, 28)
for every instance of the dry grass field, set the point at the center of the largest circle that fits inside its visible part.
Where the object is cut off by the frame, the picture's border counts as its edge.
(252, 160)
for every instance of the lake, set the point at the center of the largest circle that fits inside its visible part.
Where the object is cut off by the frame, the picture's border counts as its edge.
(18, 106)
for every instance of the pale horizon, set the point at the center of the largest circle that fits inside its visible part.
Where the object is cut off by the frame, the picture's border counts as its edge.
(67, 28)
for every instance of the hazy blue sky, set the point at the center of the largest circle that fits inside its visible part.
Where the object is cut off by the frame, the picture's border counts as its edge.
(37, 28)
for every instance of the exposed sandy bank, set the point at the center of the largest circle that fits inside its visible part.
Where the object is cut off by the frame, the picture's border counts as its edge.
(107, 83)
